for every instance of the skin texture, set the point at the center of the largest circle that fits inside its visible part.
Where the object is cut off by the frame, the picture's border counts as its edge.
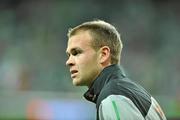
(84, 62)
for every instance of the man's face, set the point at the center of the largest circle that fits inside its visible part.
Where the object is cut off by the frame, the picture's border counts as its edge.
(83, 60)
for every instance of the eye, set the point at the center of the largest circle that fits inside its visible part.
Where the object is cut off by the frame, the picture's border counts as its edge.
(76, 52)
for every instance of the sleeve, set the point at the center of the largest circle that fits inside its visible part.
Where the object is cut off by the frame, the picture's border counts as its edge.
(117, 107)
(155, 112)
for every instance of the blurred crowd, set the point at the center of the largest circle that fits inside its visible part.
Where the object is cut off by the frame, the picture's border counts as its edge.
(33, 43)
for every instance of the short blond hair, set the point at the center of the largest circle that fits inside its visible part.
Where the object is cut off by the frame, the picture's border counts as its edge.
(103, 34)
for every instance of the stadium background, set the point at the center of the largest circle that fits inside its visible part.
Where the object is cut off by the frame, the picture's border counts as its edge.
(34, 81)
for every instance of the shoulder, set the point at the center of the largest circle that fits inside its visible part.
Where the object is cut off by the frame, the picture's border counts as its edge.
(119, 107)
(124, 90)
(124, 87)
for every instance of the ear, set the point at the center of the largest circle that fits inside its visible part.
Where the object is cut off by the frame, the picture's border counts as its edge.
(105, 55)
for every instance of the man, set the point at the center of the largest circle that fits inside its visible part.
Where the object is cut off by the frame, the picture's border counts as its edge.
(94, 50)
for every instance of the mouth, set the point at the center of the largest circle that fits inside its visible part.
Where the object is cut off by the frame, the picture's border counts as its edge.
(73, 73)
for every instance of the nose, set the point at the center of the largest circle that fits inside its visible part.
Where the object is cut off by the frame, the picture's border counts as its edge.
(70, 61)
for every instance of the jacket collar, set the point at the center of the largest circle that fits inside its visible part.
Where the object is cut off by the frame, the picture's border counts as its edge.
(93, 92)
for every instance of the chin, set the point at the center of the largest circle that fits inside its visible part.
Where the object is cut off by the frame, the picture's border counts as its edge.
(76, 83)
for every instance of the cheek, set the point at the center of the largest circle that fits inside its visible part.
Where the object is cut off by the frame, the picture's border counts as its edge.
(89, 63)
(86, 59)
(89, 60)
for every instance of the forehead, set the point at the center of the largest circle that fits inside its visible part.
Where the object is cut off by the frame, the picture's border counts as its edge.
(80, 40)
